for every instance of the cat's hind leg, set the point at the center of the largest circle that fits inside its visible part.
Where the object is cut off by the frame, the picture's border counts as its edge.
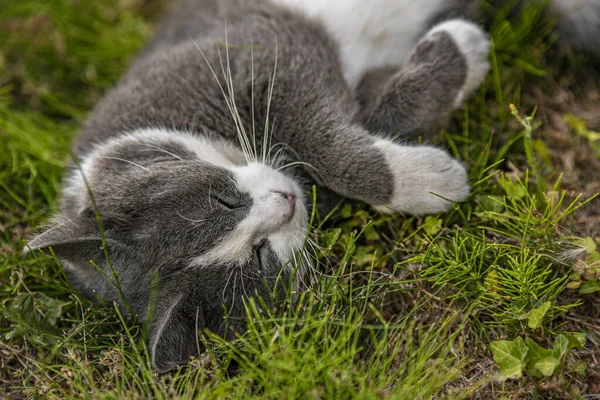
(444, 68)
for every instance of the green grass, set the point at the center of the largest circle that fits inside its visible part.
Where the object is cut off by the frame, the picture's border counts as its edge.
(405, 307)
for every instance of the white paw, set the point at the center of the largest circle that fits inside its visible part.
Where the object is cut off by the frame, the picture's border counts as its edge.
(426, 179)
(474, 44)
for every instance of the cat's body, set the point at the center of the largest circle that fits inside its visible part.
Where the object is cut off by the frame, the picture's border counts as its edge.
(203, 221)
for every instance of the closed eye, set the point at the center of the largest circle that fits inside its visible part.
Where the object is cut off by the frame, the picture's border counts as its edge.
(229, 201)
(226, 204)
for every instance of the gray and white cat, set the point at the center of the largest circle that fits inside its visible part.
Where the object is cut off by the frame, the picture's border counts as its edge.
(184, 156)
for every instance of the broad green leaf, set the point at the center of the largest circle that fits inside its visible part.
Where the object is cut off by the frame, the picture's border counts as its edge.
(535, 354)
(364, 255)
(33, 313)
(580, 127)
(513, 189)
(331, 236)
(536, 351)
(510, 357)
(432, 225)
(574, 285)
(561, 346)
(491, 203)
(362, 215)
(371, 233)
(595, 146)
(346, 211)
(542, 150)
(547, 365)
(579, 367)
(537, 316)
(576, 340)
(588, 244)
(590, 287)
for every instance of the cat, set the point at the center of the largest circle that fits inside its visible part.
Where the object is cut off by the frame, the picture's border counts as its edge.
(196, 162)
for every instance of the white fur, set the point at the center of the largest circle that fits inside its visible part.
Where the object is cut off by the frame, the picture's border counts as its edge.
(474, 44)
(423, 178)
(370, 33)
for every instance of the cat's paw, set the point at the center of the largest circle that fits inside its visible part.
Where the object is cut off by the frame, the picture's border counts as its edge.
(427, 180)
(474, 45)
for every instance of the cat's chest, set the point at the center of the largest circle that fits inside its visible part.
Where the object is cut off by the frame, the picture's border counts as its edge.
(371, 33)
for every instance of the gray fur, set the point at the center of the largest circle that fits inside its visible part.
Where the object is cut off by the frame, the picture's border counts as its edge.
(162, 207)
(579, 24)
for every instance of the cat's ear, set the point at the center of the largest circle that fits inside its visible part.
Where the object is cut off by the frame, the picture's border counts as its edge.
(174, 333)
(72, 241)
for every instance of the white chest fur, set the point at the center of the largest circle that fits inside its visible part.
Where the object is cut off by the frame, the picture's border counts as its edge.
(371, 33)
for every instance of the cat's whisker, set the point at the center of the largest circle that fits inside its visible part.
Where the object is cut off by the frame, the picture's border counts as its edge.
(287, 147)
(229, 102)
(242, 136)
(234, 287)
(312, 252)
(232, 181)
(268, 161)
(314, 275)
(284, 148)
(309, 271)
(273, 160)
(312, 267)
(123, 160)
(210, 196)
(299, 273)
(161, 150)
(274, 163)
(296, 163)
(252, 92)
(227, 283)
(269, 99)
(196, 221)
(306, 262)
(220, 194)
(315, 248)
(249, 148)
(242, 276)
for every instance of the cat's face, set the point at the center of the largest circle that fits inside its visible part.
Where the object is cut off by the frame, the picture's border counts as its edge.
(203, 207)
(189, 210)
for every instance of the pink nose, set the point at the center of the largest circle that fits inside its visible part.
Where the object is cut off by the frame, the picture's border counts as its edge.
(291, 199)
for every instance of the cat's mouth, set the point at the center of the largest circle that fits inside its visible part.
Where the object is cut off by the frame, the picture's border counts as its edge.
(288, 204)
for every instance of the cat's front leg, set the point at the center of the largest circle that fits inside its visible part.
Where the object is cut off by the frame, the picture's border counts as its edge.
(427, 180)
(444, 68)
(390, 176)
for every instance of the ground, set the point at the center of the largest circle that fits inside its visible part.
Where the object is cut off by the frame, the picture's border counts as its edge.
(496, 299)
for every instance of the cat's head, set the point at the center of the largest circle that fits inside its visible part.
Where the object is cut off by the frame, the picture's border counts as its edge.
(185, 215)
